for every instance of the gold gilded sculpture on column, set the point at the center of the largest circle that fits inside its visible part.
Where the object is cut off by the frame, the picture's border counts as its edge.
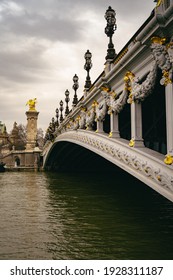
(32, 116)
(31, 103)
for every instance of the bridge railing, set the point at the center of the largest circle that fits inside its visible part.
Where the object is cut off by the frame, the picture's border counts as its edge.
(127, 82)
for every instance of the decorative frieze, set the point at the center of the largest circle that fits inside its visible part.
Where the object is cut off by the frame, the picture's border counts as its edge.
(144, 165)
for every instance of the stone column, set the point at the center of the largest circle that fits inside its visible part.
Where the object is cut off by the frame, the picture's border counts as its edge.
(99, 127)
(169, 117)
(136, 124)
(114, 133)
(32, 117)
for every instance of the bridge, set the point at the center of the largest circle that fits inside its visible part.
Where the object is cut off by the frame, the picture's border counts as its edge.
(126, 116)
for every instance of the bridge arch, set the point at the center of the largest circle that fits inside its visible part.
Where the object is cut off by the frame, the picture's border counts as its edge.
(139, 162)
(71, 157)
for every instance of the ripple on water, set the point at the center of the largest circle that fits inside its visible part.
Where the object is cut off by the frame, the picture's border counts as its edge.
(73, 216)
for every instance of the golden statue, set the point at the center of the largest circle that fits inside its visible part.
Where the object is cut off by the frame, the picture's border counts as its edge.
(31, 103)
(158, 3)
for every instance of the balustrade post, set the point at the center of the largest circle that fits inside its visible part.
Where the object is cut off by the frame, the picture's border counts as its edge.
(136, 124)
(169, 117)
(114, 126)
(99, 127)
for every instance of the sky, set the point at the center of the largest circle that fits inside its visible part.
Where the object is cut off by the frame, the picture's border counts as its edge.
(42, 46)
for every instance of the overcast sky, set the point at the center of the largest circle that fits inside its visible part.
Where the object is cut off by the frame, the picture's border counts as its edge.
(42, 46)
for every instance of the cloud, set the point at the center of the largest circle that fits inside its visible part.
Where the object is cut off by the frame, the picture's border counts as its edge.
(42, 46)
(41, 24)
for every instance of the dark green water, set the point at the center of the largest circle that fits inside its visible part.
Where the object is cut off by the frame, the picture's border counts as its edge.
(82, 216)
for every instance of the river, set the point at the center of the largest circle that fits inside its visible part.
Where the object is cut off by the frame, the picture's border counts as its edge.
(82, 216)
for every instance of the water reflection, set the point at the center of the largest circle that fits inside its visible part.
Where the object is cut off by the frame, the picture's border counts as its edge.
(82, 216)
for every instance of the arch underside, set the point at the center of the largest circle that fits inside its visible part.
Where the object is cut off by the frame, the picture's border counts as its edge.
(86, 150)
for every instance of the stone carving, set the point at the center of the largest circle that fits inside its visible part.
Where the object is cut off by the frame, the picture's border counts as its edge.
(170, 51)
(101, 110)
(115, 102)
(122, 154)
(76, 123)
(50, 133)
(90, 118)
(91, 115)
(82, 120)
(140, 91)
(162, 58)
(70, 124)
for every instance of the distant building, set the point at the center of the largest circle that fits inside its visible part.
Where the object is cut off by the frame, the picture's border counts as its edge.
(19, 149)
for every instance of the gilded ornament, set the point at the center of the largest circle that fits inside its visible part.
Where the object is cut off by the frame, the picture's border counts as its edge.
(158, 3)
(83, 109)
(129, 76)
(132, 143)
(78, 118)
(113, 94)
(168, 159)
(118, 58)
(105, 88)
(167, 79)
(130, 99)
(31, 103)
(95, 103)
(159, 178)
(110, 134)
(158, 40)
(169, 45)
(128, 79)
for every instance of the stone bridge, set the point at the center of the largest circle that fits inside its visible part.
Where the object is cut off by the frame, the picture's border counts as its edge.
(126, 115)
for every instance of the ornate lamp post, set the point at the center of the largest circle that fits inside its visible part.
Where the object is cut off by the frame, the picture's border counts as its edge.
(61, 109)
(67, 99)
(109, 30)
(57, 116)
(75, 87)
(87, 67)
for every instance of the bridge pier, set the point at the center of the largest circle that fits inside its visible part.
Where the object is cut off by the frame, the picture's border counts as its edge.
(169, 117)
(136, 124)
